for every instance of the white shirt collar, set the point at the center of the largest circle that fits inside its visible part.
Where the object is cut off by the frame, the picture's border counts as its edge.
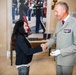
(66, 18)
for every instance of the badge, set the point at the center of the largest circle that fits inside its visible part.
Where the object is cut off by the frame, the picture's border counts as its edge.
(67, 30)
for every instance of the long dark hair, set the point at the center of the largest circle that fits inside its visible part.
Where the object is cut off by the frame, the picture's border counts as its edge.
(18, 30)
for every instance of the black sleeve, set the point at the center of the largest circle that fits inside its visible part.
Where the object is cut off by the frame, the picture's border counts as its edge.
(25, 48)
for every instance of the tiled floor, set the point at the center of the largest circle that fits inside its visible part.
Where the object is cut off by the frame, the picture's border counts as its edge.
(42, 64)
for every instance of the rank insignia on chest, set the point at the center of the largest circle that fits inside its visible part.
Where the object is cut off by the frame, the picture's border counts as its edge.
(67, 30)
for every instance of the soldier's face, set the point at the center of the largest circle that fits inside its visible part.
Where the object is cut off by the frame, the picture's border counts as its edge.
(59, 12)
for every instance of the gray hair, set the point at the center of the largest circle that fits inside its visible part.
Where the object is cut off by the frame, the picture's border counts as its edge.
(64, 4)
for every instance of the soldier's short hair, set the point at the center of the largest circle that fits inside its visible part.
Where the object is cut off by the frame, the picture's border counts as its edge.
(64, 4)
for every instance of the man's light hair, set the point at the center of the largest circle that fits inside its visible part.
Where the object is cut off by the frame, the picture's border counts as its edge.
(65, 5)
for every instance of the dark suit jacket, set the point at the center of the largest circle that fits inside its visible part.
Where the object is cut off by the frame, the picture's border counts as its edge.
(38, 9)
(24, 52)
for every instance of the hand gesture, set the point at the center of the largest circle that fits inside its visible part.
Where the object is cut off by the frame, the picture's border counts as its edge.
(43, 46)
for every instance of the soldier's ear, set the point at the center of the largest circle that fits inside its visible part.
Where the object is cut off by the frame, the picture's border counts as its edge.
(63, 9)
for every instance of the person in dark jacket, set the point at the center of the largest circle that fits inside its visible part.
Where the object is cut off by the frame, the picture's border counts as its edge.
(39, 8)
(23, 49)
(23, 8)
(14, 9)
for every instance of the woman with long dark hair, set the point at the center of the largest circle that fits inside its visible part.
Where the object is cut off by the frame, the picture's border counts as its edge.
(23, 49)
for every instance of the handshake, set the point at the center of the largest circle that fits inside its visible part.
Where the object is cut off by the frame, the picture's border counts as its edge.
(53, 53)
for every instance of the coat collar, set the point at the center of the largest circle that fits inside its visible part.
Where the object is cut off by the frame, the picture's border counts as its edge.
(65, 24)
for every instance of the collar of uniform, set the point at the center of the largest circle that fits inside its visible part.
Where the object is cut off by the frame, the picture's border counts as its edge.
(66, 18)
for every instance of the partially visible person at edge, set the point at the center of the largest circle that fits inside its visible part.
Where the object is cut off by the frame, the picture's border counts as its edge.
(23, 8)
(23, 49)
(65, 39)
(39, 8)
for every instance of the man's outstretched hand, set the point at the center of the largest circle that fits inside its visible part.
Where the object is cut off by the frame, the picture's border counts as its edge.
(43, 46)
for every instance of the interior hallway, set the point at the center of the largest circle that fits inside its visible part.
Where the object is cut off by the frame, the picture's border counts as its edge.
(42, 64)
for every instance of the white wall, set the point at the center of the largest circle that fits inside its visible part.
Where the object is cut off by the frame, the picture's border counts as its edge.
(5, 25)
(3, 30)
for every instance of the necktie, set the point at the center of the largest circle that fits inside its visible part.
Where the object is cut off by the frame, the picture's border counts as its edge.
(63, 21)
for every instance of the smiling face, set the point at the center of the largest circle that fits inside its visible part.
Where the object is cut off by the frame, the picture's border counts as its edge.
(60, 11)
